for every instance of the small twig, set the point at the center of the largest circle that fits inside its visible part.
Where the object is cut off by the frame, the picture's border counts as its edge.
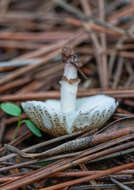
(97, 47)
(70, 146)
(117, 93)
(119, 184)
(17, 141)
(103, 64)
(77, 39)
(19, 63)
(104, 173)
(80, 15)
(2, 129)
(79, 144)
(102, 186)
(43, 144)
(27, 164)
(118, 72)
(113, 155)
(118, 44)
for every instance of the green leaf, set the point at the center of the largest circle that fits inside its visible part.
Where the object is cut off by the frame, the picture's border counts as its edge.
(11, 109)
(32, 127)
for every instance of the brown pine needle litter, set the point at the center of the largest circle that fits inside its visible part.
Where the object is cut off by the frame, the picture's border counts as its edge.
(32, 36)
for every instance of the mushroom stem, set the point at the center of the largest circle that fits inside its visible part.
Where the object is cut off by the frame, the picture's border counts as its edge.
(69, 87)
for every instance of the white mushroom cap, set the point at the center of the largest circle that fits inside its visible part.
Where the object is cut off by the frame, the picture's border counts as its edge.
(91, 112)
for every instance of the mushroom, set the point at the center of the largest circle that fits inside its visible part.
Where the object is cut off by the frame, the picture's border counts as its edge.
(68, 115)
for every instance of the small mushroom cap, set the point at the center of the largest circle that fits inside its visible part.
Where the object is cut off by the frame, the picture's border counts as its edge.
(91, 112)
